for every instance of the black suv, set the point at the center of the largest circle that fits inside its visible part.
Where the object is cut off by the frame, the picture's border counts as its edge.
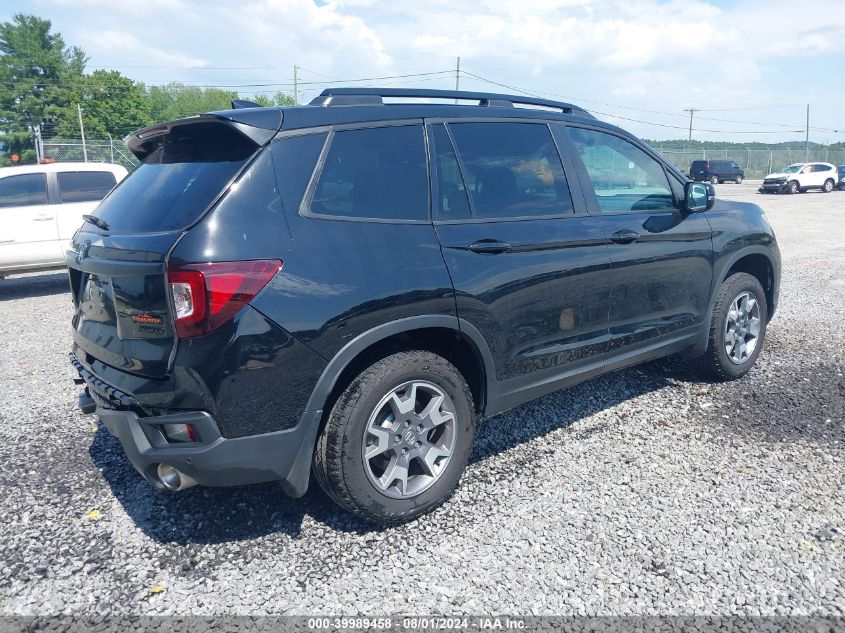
(841, 171)
(716, 171)
(343, 288)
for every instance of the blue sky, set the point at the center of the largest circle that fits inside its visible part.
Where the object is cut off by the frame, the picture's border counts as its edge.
(749, 66)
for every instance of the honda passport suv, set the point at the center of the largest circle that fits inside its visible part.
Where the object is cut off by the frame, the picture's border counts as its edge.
(342, 289)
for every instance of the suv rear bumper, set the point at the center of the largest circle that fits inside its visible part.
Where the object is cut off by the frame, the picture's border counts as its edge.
(213, 460)
(217, 461)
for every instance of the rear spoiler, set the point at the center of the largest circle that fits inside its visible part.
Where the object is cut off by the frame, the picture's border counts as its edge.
(259, 125)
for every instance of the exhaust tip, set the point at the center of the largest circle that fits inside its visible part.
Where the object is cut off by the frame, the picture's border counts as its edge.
(173, 479)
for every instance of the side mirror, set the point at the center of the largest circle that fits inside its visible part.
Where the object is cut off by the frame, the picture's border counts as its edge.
(699, 196)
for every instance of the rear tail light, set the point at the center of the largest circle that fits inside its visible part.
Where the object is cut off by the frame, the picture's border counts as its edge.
(205, 296)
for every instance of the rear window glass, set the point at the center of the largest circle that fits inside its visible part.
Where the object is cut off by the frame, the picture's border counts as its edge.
(179, 177)
(85, 186)
(512, 169)
(374, 173)
(23, 190)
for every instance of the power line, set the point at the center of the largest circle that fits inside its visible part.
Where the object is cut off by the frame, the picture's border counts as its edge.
(242, 85)
(540, 94)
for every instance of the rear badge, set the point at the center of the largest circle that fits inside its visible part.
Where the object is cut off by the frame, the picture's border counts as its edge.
(146, 319)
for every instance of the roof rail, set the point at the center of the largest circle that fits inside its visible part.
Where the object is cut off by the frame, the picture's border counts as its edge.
(375, 96)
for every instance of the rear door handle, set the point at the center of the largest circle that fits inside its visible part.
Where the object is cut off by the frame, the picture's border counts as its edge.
(625, 236)
(42, 218)
(490, 247)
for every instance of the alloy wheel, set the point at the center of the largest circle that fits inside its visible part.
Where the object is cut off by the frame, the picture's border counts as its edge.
(742, 328)
(409, 439)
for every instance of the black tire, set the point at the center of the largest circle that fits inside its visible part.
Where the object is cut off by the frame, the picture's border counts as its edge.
(792, 187)
(738, 180)
(828, 185)
(715, 362)
(714, 180)
(339, 464)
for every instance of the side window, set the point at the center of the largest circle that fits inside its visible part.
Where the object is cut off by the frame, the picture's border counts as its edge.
(294, 159)
(24, 190)
(624, 177)
(452, 202)
(512, 169)
(85, 186)
(374, 173)
(822, 168)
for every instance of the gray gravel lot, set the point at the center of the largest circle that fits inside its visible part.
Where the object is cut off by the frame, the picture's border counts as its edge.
(645, 491)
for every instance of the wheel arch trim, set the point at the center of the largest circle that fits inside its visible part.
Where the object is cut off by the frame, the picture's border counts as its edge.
(349, 352)
(718, 279)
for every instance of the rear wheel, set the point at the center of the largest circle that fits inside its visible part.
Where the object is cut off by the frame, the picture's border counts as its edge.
(714, 180)
(737, 328)
(792, 187)
(398, 438)
(828, 186)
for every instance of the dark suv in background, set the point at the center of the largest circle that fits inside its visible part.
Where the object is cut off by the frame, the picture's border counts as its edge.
(344, 288)
(716, 171)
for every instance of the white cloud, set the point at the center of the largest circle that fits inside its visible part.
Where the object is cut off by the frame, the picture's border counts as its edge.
(649, 54)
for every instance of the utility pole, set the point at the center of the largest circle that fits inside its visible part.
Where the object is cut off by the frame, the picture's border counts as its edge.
(807, 137)
(82, 133)
(39, 152)
(295, 85)
(458, 75)
(689, 138)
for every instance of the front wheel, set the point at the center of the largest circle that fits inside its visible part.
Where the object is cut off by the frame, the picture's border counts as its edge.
(828, 186)
(737, 328)
(793, 187)
(398, 438)
(738, 180)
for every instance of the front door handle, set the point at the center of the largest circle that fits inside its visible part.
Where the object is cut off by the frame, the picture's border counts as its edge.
(490, 247)
(625, 236)
(42, 218)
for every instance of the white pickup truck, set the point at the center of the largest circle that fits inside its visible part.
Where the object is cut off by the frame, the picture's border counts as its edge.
(41, 207)
(800, 177)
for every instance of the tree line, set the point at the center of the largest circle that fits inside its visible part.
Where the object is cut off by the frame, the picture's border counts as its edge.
(44, 81)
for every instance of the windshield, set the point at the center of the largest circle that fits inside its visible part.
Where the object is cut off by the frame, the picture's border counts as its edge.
(842, 170)
(792, 169)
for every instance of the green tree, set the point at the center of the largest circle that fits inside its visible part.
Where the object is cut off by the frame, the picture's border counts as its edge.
(38, 74)
(111, 105)
(278, 99)
(176, 100)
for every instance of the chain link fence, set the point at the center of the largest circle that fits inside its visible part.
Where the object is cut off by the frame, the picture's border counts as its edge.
(755, 162)
(93, 151)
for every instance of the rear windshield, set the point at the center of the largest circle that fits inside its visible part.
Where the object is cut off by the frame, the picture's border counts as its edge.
(180, 176)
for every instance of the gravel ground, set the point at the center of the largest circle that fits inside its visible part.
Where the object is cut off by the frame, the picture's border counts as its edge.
(645, 491)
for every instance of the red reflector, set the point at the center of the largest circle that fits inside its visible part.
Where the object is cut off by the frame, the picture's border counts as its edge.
(207, 295)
